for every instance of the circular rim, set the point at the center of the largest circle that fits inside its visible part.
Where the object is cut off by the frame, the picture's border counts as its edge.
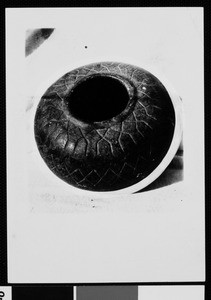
(130, 91)
(177, 136)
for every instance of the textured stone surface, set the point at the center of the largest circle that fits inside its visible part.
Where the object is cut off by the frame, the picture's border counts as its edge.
(109, 154)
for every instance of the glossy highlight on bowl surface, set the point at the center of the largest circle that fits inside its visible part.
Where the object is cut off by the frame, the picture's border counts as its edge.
(105, 126)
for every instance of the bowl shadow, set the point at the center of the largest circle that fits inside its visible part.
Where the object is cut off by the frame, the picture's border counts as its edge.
(172, 174)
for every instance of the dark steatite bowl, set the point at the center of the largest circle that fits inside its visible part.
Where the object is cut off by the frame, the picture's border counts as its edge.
(105, 126)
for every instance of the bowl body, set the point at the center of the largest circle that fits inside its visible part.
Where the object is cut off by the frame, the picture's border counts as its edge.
(108, 127)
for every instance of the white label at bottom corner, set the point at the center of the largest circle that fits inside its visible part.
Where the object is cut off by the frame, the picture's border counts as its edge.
(5, 293)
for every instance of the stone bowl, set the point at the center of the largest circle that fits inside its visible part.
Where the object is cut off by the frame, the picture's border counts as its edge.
(108, 127)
